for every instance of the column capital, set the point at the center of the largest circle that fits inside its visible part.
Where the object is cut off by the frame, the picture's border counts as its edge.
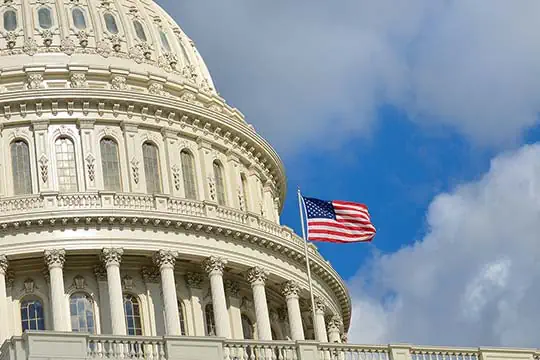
(3, 264)
(165, 258)
(112, 256)
(100, 272)
(320, 305)
(257, 275)
(214, 265)
(334, 323)
(194, 280)
(232, 288)
(290, 289)
(55, 258)
(150, 274)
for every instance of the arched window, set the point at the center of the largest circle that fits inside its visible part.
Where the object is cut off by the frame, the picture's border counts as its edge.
(151, 168)
(188, 172)
(210, 320)
(220, 183)
(110, 23)
(245, 194)
(82, 313)
(247, 328)
(32, 317)
(79, 20)
(66, 167)
(110, 164)
(182, 314)
(45, 18)
(139, 30)
(20, 165)
(132, 312)
(164, 41)
(10, 20)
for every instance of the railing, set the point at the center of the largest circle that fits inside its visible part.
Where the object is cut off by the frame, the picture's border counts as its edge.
(186, 207)
(134, 201)
(21, 204)
(232, 214)
(128, 347)
(444, 354)
(259, 350)
(352, 352)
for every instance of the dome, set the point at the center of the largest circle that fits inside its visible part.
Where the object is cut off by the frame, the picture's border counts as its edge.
(130, 34)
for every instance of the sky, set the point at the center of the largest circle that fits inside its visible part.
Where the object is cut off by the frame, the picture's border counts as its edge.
(426, 111)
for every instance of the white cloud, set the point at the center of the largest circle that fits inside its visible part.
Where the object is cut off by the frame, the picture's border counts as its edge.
(305, 71)
(474, 279)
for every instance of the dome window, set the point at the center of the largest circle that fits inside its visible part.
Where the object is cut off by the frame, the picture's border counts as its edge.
(188, 171)
(151, 168)
(110, 22)
(45, 18)
(110, 164)
(139, 30)
(82, 313)
(79, 21)
(20, 162)
(10, 20)
(164, 41)
(219, 179)
(32, 315)
(66, 167)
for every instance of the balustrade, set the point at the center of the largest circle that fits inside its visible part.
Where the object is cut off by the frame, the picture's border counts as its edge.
(443, 354)
(257, 350)
(127, 347)
(352, 352)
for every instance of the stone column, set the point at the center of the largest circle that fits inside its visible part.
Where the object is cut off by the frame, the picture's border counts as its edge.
(55, 259)
(290, 290)
(320, 326)
(334, 329)
(214, 266)
(194, 283)
(257, 277)
(111, 258)
(232, 290)
(165, 260)
(3, 298)
(152, 279)
(104, 310)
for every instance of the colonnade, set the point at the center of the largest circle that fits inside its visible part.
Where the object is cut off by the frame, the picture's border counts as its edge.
(165, 260)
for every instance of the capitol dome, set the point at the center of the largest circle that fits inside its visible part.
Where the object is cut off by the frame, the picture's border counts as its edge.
(134, 200)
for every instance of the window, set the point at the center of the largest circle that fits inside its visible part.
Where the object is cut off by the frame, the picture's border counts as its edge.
(10, 20)
(244, 184)
(110, 165)
(20, 165)
(45, 18)
(164, 41)
(110, 23)
(220, 183)
(188, 172)
(32, 315)
(82, 313)
(139, 30)
(210, 320)
(151, 168)
(65, 165)
(182, 314)
(247, 328)
(78, 18)
(132, 312)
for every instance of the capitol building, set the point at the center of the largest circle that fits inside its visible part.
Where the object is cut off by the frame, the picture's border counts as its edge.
(140, 212)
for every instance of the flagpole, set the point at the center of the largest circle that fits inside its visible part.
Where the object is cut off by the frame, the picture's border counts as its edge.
(300, 206)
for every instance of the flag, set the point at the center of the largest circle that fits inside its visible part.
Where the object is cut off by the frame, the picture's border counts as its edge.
(338, 221)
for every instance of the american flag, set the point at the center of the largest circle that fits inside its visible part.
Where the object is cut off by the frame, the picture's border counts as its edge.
(338, 221)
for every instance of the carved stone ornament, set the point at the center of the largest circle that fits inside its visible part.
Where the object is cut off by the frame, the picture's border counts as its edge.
(79, 282)
(78, 80)
(214, 265)
(91, 167)
(116, 42)
(190, 73)
(3, 264)
(247, 304)
(103, 48)
(100, 272)
(10, 279)
(232, 288)
(194, 280)
(29, 286)
(135, 170)
(47, 37)
(212, 187)
(83, 38)
(290, 288)
(165, 258)
(30, 47)
(67, 45)
(283, 313)
(127, 282)
(156, 88)
(136, 54)
(150, 274)
(34, 81)
(188, 97)
(112, 256)
(176, 171)
(11, 39)
(320, 306)
(55, 258)
(119, 82)
(257, 275)
(334, 323)
(241, 200)
(44, 168)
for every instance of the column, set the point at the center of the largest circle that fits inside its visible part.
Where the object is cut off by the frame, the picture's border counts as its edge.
(194, 283)
(104, 310)
(3, 298)
(152, 279)
(214, 266)
(257, 277)
(290, 290)
(232, 290)
(165, 260)
(320, 326)
(55, 259)
(111, 258)
(334, 329)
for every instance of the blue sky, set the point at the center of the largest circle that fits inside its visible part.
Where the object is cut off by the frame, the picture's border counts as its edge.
(425, 110)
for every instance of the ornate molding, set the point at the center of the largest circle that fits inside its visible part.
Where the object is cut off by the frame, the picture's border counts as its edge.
(3, 264)
(290, 289)
(55, 258)
(232, 288)
(151, 274)
(127, 283)
(165, 258)
(257, 275)
(100, 272)
(79, 282)
(112, 256)
(334, 323)
(214, 265)
(194, 280)
(320, 306)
